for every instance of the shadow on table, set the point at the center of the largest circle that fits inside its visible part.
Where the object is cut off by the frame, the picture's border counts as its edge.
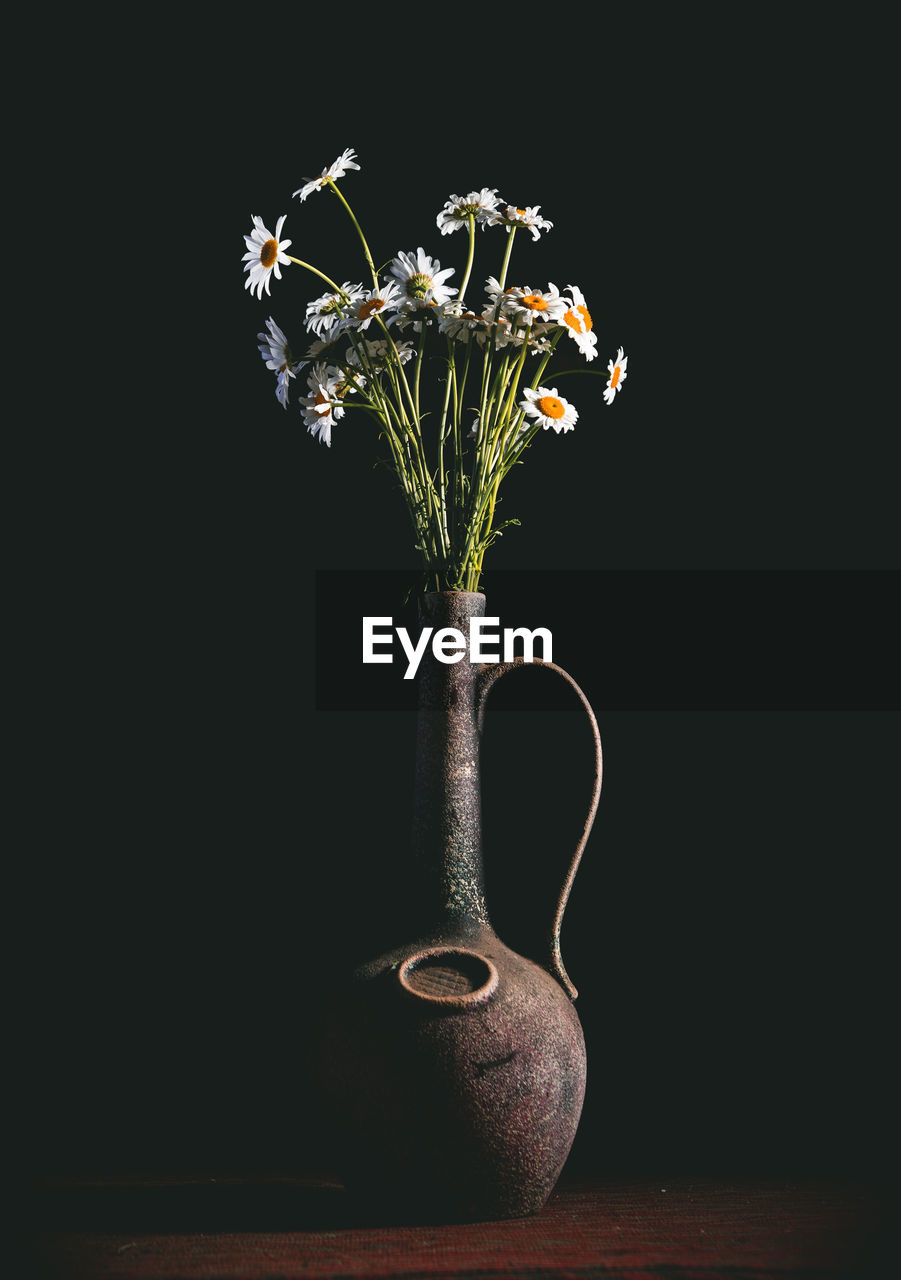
(193, 1207)
(207, 1206)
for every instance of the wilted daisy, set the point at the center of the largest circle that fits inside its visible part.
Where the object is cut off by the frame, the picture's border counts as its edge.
(369, 304)
(277, 355)
(325, 313)
(334, 171)
(320, 408)
(510, 216)
(550, 410)
(528, 306)
(421, 280)
(264, 253)
(578, 322)
(617, 370)
(458, 210)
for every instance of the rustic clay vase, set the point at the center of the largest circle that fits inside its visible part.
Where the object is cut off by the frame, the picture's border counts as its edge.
(453, 1069)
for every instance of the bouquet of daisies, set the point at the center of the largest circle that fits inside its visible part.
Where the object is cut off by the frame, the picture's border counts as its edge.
(371, 340)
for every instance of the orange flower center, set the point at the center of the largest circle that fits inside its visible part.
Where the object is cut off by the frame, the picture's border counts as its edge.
(322, 400)
(577, 318)
(269, 253)
(551, 407)
(614, 378)
(534, 302)
(370, 307)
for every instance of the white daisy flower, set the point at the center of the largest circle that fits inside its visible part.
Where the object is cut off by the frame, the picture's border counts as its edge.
(320, 409)
(277, 355)
(545, 406)
(528, 306)
(370, 303)
(578, 322)
(457, 210)
(617, 370)
(334, 171)
(325, 313)
(421, 280)
(264, 253)
(510, 216)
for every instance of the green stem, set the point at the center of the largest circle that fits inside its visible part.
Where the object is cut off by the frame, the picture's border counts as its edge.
(418, 368)
(316, 272)
(472, 247)
(375, 279)
(511, 232)
(400, 369)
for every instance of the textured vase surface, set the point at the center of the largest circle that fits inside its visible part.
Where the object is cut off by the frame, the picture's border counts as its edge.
(453, 1069)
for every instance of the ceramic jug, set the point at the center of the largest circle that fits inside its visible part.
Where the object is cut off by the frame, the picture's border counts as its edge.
(453, 1069)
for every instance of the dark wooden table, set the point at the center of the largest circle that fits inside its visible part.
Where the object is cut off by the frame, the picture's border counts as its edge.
(278, 1227)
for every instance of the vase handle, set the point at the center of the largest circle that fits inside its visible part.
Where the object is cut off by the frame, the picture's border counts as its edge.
(486, 676)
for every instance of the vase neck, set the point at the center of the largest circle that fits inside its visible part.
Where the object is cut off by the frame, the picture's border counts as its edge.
(447, 822)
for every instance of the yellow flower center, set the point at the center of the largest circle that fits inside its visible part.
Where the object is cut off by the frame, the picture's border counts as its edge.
(551, 407)
(614, 377)
(370, 307)
(534, 302)
(269, 253)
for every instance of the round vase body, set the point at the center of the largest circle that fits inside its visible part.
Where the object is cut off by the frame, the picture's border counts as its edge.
(454, 1070)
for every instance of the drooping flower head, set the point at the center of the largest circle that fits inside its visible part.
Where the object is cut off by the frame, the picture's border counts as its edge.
(336, 170)
(277, 354)
(508, 215)
(543, 405)
(320, 408)
(458, 209)
(617, 370)
(264, 253)
(578, 322)
(421, 280)
(325, 313)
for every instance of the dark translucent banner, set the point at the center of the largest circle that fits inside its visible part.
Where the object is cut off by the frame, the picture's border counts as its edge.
(668, 640)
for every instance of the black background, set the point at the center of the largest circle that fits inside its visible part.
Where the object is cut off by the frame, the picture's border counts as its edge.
(209, 827)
